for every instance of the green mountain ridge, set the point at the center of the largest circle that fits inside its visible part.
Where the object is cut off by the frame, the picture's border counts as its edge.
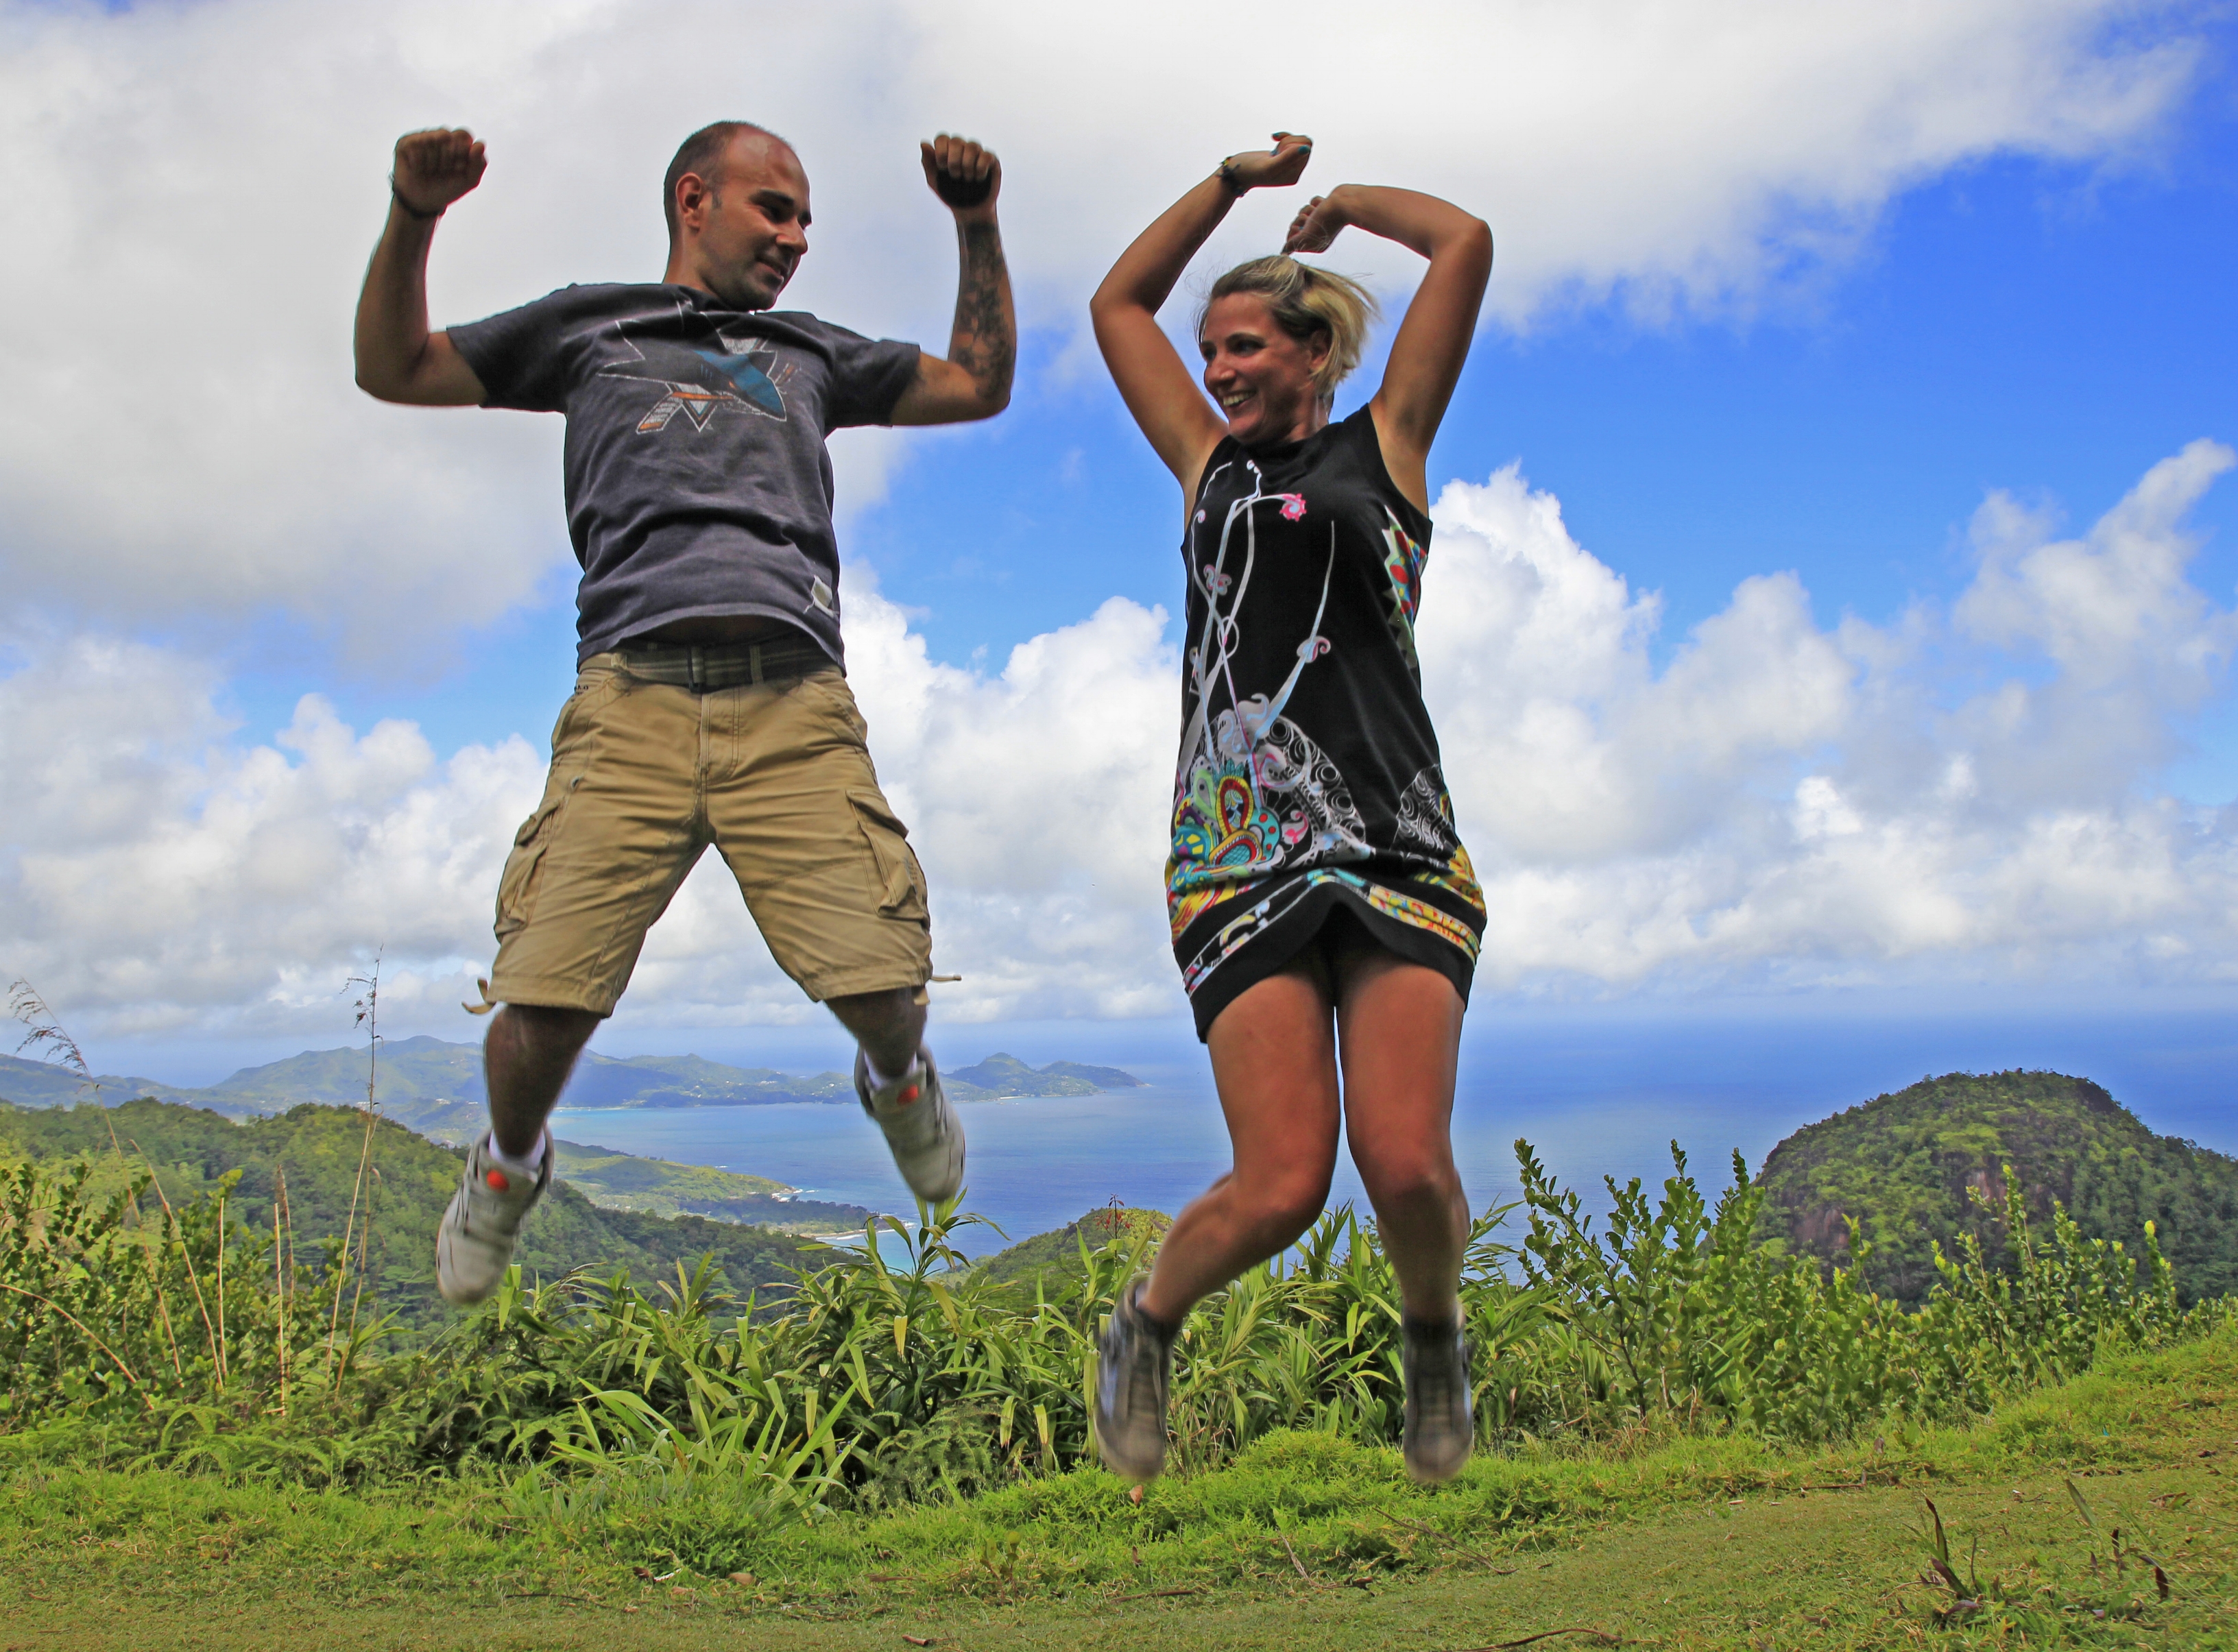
(1904, 1165)
(436, 1086)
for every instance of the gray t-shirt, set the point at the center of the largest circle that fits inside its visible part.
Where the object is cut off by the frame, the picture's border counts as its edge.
(697, 482)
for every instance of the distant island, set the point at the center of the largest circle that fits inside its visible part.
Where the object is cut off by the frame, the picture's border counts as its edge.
(436, 1086)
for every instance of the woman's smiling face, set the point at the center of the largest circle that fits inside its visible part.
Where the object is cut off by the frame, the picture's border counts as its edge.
(1260, 378)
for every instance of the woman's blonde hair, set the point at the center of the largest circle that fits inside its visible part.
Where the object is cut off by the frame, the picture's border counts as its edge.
(1303, 301)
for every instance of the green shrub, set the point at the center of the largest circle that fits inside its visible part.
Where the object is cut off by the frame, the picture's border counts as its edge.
(870, 1384)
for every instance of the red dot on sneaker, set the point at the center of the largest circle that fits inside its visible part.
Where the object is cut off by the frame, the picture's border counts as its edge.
(496, 1180)
(909, 1094)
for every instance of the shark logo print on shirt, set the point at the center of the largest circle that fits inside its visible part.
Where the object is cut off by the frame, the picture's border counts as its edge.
(698, 375)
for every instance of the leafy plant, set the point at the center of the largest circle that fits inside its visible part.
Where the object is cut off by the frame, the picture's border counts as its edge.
(874, 1377)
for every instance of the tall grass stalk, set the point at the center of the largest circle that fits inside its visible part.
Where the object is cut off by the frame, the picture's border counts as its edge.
(221, 1293)
(80, 1325)
(46, 1038)
(171, 1226)
(368, 1017)
(280, 1287)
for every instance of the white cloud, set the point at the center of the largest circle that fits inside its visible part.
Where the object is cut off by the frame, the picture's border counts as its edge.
(1783, 801)
(187, 194)
(160, 876)
(1037, 799)
(1963, 797)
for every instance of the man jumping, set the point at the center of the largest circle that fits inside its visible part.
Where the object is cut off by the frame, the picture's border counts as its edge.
(712, 703)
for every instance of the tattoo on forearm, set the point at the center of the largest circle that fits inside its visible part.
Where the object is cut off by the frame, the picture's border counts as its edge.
(983, 341)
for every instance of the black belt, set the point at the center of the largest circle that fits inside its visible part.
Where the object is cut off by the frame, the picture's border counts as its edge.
(724, 666)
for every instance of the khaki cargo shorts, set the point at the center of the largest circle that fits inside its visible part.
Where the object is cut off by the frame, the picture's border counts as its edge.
(645, 776)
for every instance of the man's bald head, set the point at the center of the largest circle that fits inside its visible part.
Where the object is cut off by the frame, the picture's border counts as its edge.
(703, 154)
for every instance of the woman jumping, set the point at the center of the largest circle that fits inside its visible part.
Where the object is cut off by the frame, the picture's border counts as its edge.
(1324, 916)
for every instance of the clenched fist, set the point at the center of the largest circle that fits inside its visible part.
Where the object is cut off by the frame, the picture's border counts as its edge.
(965, 175)
(435, 167)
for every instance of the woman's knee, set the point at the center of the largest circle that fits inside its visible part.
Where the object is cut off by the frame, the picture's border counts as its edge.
(1409, 1180)
(1281, 1209)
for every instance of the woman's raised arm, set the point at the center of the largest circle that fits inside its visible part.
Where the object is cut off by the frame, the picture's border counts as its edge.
(1161, 389)
(1433, 340)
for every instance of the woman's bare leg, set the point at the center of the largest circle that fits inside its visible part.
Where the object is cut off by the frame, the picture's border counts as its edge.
(1399, 1029)
(1273, 1057)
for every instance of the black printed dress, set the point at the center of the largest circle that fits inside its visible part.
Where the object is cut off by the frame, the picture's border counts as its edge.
(1308, 784)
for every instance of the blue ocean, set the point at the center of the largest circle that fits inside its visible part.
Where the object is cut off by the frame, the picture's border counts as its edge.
(1596, 1095)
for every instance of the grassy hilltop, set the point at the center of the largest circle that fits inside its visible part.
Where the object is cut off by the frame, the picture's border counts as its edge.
(1689, 1434)
(1053, 1258)
(1905, 1165)
(1308, 1543)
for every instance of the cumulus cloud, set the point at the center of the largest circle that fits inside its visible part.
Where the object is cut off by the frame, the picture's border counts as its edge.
(161, 875)
(1969, 792)
(1783, 803)
(187, 193)
(1037, 799)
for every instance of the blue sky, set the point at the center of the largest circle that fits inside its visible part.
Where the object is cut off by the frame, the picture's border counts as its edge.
(1780, 293)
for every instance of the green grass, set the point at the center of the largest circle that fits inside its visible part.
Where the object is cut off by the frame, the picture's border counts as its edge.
(1303, 1542)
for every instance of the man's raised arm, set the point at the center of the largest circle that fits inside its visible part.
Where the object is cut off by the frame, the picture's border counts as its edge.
(398, 359)
(974, 382)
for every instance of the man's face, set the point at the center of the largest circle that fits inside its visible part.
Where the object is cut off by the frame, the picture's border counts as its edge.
(747, 231)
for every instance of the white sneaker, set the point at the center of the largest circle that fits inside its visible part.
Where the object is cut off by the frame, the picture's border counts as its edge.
(922, 1129)
(1134, 1359)
(474, 1242)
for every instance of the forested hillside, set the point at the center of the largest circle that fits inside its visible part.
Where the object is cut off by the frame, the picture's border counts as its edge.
(623, 1181)
(315, 1151)
(1054, 1257)
(1904, 1166)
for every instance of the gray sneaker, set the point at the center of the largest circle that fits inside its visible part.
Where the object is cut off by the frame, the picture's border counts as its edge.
(1440, 1425)
(474, 1242)
(1133, 1359)
(922, 1129)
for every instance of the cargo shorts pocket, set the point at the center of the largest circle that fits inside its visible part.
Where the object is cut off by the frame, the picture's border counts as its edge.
(901, 880)
(574, 736)
(516, 885)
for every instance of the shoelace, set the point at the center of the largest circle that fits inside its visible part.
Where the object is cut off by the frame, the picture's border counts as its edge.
(1435, 1371)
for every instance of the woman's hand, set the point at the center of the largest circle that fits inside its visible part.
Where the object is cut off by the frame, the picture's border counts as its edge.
(1161, 389)
(1274, 168)
(1317, 224)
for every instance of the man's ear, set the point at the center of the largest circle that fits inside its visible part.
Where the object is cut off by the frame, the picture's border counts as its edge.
(693, 194)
